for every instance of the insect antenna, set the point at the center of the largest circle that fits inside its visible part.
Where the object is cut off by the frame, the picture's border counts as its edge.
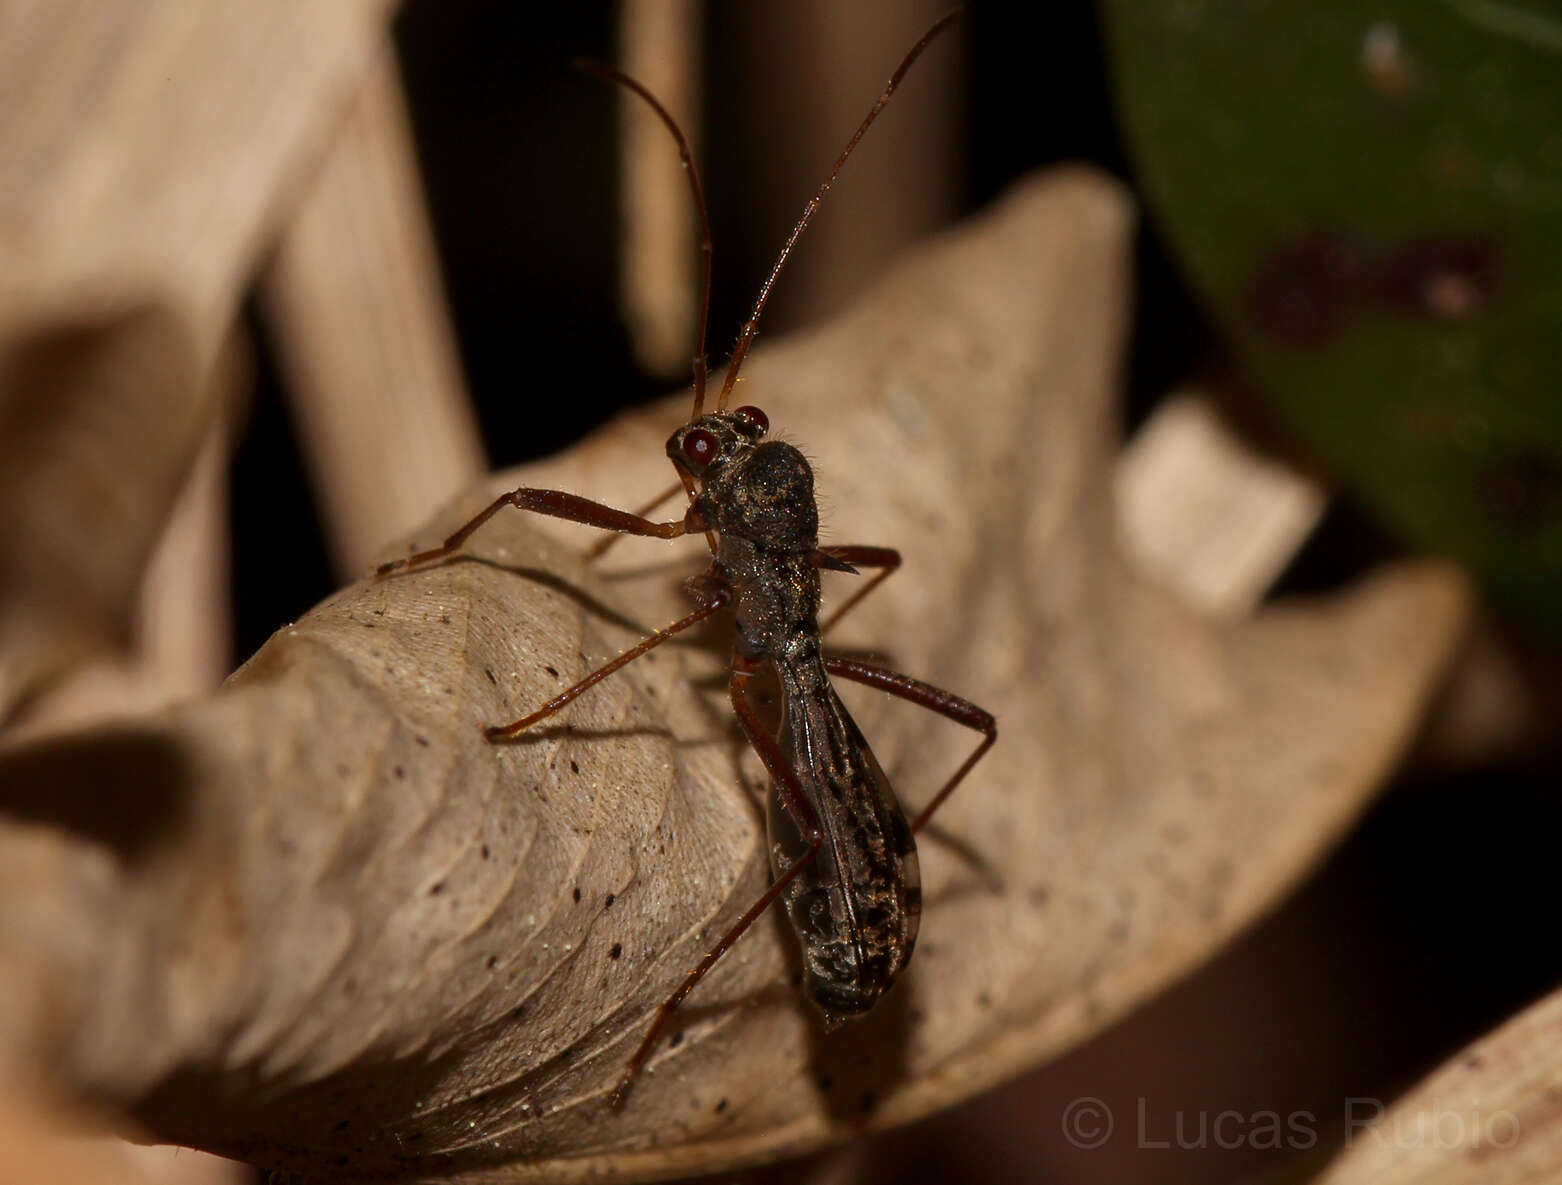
(746, 338)
(686, 158)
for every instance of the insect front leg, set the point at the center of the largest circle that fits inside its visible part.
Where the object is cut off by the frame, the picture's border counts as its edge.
(601, 547)
(934, 699)
(556, 504)
(791, 791)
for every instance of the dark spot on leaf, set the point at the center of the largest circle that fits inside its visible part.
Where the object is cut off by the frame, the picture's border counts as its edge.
(1446, 277)
(577, 894)
(721, 1106)
(422, 741)
(483, 851)
(1524, 490)
(1299, 292)
(984, 1000)
(1039, 894)
(444, 619)
(490, 675)
(552, 671)
(574, 767)
(618, 949)
(493, 961)
(436, 888)
(608, 900)
(399, 772)
(517, 1012)
(676, 1040)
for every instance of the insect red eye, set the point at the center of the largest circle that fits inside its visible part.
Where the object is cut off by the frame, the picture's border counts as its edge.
(756, 417)
(699, 446)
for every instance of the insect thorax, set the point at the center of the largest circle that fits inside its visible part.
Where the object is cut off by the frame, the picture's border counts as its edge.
(763, 505)
(765, 494)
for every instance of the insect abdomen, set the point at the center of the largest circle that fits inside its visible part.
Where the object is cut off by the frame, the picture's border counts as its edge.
(856, 907)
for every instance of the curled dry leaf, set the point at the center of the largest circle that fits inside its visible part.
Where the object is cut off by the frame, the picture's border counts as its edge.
(1488, 1117)
(317, 921)
(145, 152)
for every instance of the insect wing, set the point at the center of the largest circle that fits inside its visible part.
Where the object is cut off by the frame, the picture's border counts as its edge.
(857, 906)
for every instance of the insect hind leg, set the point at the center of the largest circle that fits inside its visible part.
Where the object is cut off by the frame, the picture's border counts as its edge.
(791, 791)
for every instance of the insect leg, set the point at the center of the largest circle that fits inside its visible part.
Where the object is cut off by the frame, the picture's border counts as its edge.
(791, 791)
(601, 546)
(886, 559)
(557, 504)
(686, 483)
(717, 597)
(935, 699)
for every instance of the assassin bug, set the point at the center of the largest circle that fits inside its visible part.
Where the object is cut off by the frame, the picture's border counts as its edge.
(842, 851)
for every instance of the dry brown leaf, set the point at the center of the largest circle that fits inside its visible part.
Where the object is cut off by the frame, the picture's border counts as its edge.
(181, 627)
(1488, 1117)
(317, 921)
(146, 151)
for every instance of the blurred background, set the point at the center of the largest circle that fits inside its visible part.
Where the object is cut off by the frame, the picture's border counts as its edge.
(1346, 224)
(1426, 928)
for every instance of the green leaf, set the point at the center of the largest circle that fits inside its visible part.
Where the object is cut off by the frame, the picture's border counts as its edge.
(1370, 201)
